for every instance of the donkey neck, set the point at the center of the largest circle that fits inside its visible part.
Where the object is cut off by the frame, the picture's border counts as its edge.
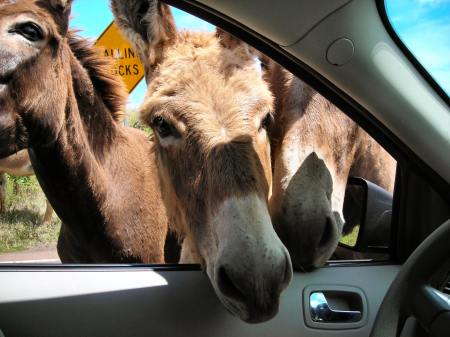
(90, 118)
(95, 101)
(80, 157)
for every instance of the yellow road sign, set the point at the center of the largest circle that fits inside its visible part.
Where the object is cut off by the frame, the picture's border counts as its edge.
(116, 46)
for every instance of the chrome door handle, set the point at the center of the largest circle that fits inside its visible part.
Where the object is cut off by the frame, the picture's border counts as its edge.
(321, 311)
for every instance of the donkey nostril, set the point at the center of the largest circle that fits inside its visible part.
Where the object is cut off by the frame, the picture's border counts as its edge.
(228, 286)
(327, 232)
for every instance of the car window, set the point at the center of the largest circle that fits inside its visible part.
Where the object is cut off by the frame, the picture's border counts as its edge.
(424, 27)
(315, 193)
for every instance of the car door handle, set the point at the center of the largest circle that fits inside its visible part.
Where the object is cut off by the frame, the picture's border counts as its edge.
(322, 312)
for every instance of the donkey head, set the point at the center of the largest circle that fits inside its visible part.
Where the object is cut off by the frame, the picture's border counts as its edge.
(31, 70)
(209, 108)
(313, 145)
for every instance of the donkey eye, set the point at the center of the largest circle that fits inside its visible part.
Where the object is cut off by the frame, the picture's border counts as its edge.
(266, 121)
(29, 30)
(264, 65)
(163, 128)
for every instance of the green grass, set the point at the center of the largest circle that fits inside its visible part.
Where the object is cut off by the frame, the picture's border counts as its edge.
(20, 225)
(351, 238)
(134, 122)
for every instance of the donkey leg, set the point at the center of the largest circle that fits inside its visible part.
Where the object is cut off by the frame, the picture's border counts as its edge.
(2, 193)
(188, 253)
(172, 248)
(48, 213)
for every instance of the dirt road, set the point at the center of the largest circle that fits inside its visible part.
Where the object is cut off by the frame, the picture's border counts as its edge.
(34, 255)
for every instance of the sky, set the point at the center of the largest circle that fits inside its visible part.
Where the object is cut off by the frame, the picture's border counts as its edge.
(423, 25)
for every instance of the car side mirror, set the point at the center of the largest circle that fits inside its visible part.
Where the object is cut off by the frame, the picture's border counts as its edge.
(367, 214)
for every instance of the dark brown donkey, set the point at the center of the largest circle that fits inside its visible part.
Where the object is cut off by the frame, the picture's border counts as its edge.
(59, 100)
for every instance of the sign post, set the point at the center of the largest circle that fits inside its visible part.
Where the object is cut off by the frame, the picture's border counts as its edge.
(128, 65)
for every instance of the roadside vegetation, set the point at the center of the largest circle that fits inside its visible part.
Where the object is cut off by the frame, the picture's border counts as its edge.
(20, 224)
(351, 238)
(132, 120)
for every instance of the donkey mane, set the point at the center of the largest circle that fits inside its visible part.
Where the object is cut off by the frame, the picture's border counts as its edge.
(99, 68)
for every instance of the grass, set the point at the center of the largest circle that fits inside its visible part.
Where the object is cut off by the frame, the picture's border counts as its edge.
(351, 238)
(134, 122)
(20, 225)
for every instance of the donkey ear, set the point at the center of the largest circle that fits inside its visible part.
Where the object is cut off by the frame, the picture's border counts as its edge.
(148, 25)
(60, 3)
(227, 40)
(60, 10)
(239, 47)
(235, 44)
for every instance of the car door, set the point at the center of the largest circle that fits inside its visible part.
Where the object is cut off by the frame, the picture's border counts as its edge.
(178, 300)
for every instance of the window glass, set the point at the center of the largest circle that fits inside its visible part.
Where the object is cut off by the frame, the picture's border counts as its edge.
(213, 165)
(424, 27)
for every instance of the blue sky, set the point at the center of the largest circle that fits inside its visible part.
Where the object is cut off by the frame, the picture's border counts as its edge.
(423, 25)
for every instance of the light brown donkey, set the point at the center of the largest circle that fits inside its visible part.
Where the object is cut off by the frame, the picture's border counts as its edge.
(209, 108)
(59, 99)
(18, 164)
(315, 147)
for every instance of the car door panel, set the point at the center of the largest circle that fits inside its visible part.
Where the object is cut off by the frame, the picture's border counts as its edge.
(142, 302)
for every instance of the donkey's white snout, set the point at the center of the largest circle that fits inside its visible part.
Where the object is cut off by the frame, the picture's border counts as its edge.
(253, 267)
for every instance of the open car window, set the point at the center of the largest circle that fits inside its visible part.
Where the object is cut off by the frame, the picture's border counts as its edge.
(338, 189)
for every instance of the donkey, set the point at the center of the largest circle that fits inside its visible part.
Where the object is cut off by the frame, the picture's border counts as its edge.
(59, 99)
(18, 164)
(315, 147)
(209, 108)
